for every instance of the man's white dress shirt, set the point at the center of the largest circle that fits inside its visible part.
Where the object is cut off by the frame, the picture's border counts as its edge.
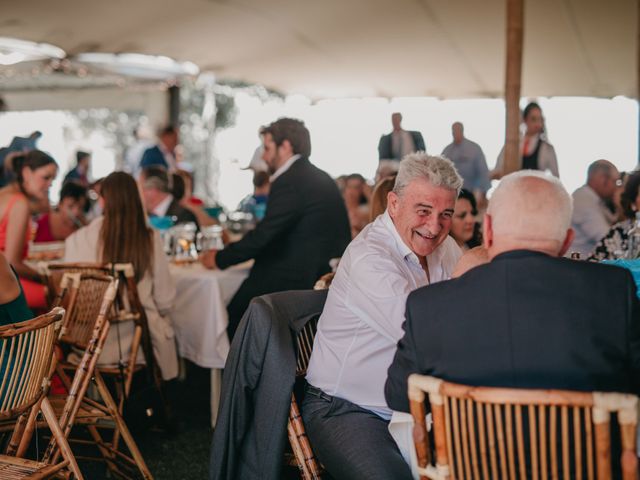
(163, 206)
(362, 319)
(285, 166)
(591, 220)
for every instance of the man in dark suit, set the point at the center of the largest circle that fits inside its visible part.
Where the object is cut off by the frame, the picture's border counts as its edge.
(162, 154)
(528, 318)
(158, 200)
(399, 142)
(305, 225)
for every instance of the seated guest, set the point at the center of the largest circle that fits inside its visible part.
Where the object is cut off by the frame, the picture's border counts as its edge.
(592, 218)
(80, 173)
(61, 222)
(464, 228)
(616, 242)
(470, 259)
(33, 174)
(13, 305)
(121, 235)
(181, 191)
(529, 319)
(379, 196)
(344, 411)
(158, 200)
(256, 203)
(356, 202)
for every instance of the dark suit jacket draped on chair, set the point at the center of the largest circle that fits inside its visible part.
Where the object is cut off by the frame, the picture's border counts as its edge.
(524, 320)
(305, 225)
(251, 431)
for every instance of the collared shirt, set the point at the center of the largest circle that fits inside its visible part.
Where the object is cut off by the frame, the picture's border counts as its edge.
(469, 160)
(162, 207)
(286, 166)
(591, 220)
(362, 319)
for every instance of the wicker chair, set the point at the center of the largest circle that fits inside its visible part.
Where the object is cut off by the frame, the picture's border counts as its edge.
(127, 308)
(86, 327)
(303, 456)
(504, 433)
(26, 353)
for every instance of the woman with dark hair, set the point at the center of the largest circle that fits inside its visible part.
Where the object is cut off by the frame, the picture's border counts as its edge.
(536, 153)
(59, 223)
(121, 235)
(34, 172)
(615, 243)
(464, 228)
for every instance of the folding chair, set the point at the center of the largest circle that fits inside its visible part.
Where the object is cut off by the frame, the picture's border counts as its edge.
(26, 354)
(509, 433)
(86, 327)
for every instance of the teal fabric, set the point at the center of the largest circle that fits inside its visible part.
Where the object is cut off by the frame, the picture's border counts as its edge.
(16, 310)
(632, 265)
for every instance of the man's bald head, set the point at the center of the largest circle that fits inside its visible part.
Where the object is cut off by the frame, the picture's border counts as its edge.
(529, 210)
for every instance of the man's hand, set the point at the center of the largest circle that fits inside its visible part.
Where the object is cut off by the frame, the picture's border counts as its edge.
(208, 259)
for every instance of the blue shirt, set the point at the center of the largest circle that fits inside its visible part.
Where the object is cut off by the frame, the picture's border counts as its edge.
(470, 163)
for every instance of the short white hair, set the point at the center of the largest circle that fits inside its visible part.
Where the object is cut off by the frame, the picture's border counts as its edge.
(439, 171)
(530, 205)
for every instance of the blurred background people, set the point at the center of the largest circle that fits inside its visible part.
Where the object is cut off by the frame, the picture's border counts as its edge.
(162, 154)
(80, 173)
(121, 235)
(592, 216)
(157, 197)
(468, 158)
(182, 192)
(356, 201)
(34, 172)
(400, 142)
(66, 218)
(536, 153)
(256, 203)
(615, 243)
(379, 196)
(464, 228)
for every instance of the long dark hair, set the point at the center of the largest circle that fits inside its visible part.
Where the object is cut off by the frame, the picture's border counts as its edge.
(125, 236)
(32, 160)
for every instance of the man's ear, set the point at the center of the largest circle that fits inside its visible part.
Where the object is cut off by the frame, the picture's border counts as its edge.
(287, 148)
(487, 232)
(393, 204)
(568, 240)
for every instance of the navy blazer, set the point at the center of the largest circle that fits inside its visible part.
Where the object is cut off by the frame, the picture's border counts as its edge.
(524, 320)
(153, 156)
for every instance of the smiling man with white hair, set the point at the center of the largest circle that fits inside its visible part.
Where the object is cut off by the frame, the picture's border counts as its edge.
(344, 410)
(529, 318)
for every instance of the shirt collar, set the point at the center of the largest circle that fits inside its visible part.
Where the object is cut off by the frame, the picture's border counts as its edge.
(163, 206)
(286, 166)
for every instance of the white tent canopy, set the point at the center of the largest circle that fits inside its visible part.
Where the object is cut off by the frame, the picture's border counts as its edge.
(337, 48)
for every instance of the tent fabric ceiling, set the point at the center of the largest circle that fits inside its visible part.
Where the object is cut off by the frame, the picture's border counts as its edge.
(338, 48)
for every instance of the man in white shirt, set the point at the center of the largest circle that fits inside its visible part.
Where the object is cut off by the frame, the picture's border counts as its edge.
(345, 412)
(592, 218)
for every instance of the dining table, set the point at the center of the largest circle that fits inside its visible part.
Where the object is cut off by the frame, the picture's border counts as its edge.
(200, 320)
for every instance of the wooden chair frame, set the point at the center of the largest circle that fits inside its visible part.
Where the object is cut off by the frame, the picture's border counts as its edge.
(305, 459)
(127, 307)
(26, 355)
(76, 408)
(466, 445)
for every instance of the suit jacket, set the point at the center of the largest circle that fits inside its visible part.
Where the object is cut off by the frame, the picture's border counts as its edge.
(182, 214)
(153, 156)
(384, 146)
(305, 225)
(251, 431)
(524, 320)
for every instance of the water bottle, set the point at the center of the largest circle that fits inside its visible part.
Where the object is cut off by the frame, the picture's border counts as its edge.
(633, 242)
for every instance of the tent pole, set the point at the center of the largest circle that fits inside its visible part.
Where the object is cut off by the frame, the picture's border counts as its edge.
(513, 78)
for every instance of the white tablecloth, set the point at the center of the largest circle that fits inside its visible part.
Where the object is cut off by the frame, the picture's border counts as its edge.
(199, 313)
